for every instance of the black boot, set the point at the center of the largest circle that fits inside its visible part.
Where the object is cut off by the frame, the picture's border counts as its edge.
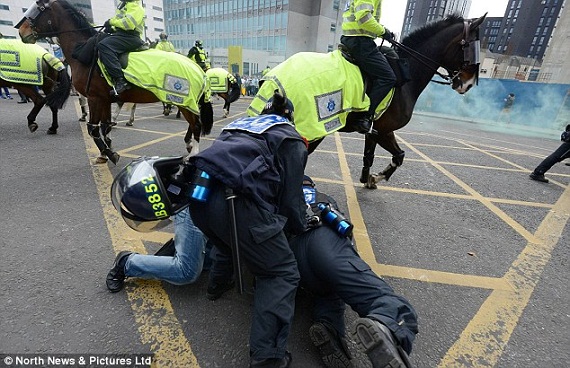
(121, 85)
(332, 347)
(116, 276)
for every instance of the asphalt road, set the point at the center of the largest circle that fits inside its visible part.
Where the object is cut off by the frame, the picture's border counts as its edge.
(479, 249)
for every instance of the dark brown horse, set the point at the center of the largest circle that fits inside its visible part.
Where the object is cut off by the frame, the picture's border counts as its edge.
(56, 87)
(57, 18)
(322, 105)
(452, 44)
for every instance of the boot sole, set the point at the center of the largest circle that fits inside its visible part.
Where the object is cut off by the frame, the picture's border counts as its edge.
(331, 356)
(371, 340)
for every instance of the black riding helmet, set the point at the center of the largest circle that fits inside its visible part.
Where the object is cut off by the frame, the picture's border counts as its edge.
(279, 105)
(145, 195)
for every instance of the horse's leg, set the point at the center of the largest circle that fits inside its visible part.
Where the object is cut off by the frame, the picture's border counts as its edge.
(38, 101)
(194, 129)
(368, 158)
(132, 117)
(389, 143)
(117, 112)
(226, 98)
(54, 122)
(94, 128)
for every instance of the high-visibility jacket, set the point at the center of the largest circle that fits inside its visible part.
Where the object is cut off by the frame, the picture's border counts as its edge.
(165, 45)
(198, 55)
(361, 18)
(265, 71)
(129, 18)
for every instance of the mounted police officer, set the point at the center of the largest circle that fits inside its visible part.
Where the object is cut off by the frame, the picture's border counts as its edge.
(164, 44)
(198, 55)
(360, 27)
(125, 30)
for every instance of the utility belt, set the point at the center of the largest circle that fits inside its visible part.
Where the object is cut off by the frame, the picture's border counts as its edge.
(129, 33)
(200, 186)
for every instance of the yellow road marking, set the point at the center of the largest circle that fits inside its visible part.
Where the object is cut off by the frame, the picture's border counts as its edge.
(156, 321)
(496, 210)
(484, 339)
(366, 251)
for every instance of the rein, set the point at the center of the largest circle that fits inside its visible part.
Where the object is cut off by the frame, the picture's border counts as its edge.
(425, 61)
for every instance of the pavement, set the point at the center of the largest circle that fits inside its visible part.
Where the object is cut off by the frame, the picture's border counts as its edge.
(479, 249)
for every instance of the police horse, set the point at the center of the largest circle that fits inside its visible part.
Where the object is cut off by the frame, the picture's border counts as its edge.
(52, 79)
(57, 18)
(451, 43)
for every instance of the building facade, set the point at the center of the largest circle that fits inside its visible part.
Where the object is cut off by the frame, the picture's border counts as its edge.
(525, 29)
(12, 11)
(265, 32)
(420, 12)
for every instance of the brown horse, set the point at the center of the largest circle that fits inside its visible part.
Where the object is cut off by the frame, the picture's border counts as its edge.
(57, 18)
(56, 87)
(323, 105)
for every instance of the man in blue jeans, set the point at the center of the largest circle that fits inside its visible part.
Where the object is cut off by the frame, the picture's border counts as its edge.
(183, 267)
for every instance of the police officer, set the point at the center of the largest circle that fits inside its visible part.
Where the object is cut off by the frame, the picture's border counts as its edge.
(198, 55)
(559, 155)
(333, 272)
(360, 27)
(125, 30)
(261, 159)
(164, 44)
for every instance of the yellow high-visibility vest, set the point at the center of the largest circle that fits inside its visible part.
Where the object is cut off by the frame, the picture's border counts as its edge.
(361, 18)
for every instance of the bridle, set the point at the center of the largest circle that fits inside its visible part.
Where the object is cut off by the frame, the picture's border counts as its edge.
(471, 49)
(33, 14)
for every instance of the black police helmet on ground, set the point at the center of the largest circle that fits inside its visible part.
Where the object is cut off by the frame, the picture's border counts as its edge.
(279, 105)
(145, 194)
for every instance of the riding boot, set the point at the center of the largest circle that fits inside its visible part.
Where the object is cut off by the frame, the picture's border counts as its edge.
(121, 85)
(362, 123)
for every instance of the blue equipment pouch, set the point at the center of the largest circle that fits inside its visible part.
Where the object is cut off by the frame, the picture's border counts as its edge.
(335, 220)
(200, 186)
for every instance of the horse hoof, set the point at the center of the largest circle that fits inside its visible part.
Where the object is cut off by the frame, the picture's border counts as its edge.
(52, 131)
(371, 183)
(129, 123)
(101, 160)
(114, 157)
(33, 127)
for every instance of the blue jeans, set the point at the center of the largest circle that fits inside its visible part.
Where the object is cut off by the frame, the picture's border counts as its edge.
(186, 264)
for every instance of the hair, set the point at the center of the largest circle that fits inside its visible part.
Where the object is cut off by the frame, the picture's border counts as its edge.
(279, 105)
(419, 36)
(78, 18)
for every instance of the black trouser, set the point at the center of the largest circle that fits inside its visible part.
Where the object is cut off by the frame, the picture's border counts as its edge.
(112, 46)
(373, 63)
(334, 273)
(266, 252)
(560, 154)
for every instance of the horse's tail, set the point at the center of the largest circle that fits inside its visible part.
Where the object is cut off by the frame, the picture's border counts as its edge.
(206, 117)
(60, 92)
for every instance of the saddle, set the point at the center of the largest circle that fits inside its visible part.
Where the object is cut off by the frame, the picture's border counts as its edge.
(86, 52)
(400, 66)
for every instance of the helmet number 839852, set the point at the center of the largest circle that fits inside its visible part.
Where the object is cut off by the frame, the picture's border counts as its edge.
(154, 198)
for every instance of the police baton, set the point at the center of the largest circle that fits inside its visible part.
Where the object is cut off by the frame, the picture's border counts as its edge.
(230, 196)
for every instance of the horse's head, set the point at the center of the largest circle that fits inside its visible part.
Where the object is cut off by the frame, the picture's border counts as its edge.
(49, 18)
(461, 58)
(28, 25)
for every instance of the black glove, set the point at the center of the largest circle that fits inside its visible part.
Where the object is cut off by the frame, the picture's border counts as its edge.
(107, 27)
(388, 36)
